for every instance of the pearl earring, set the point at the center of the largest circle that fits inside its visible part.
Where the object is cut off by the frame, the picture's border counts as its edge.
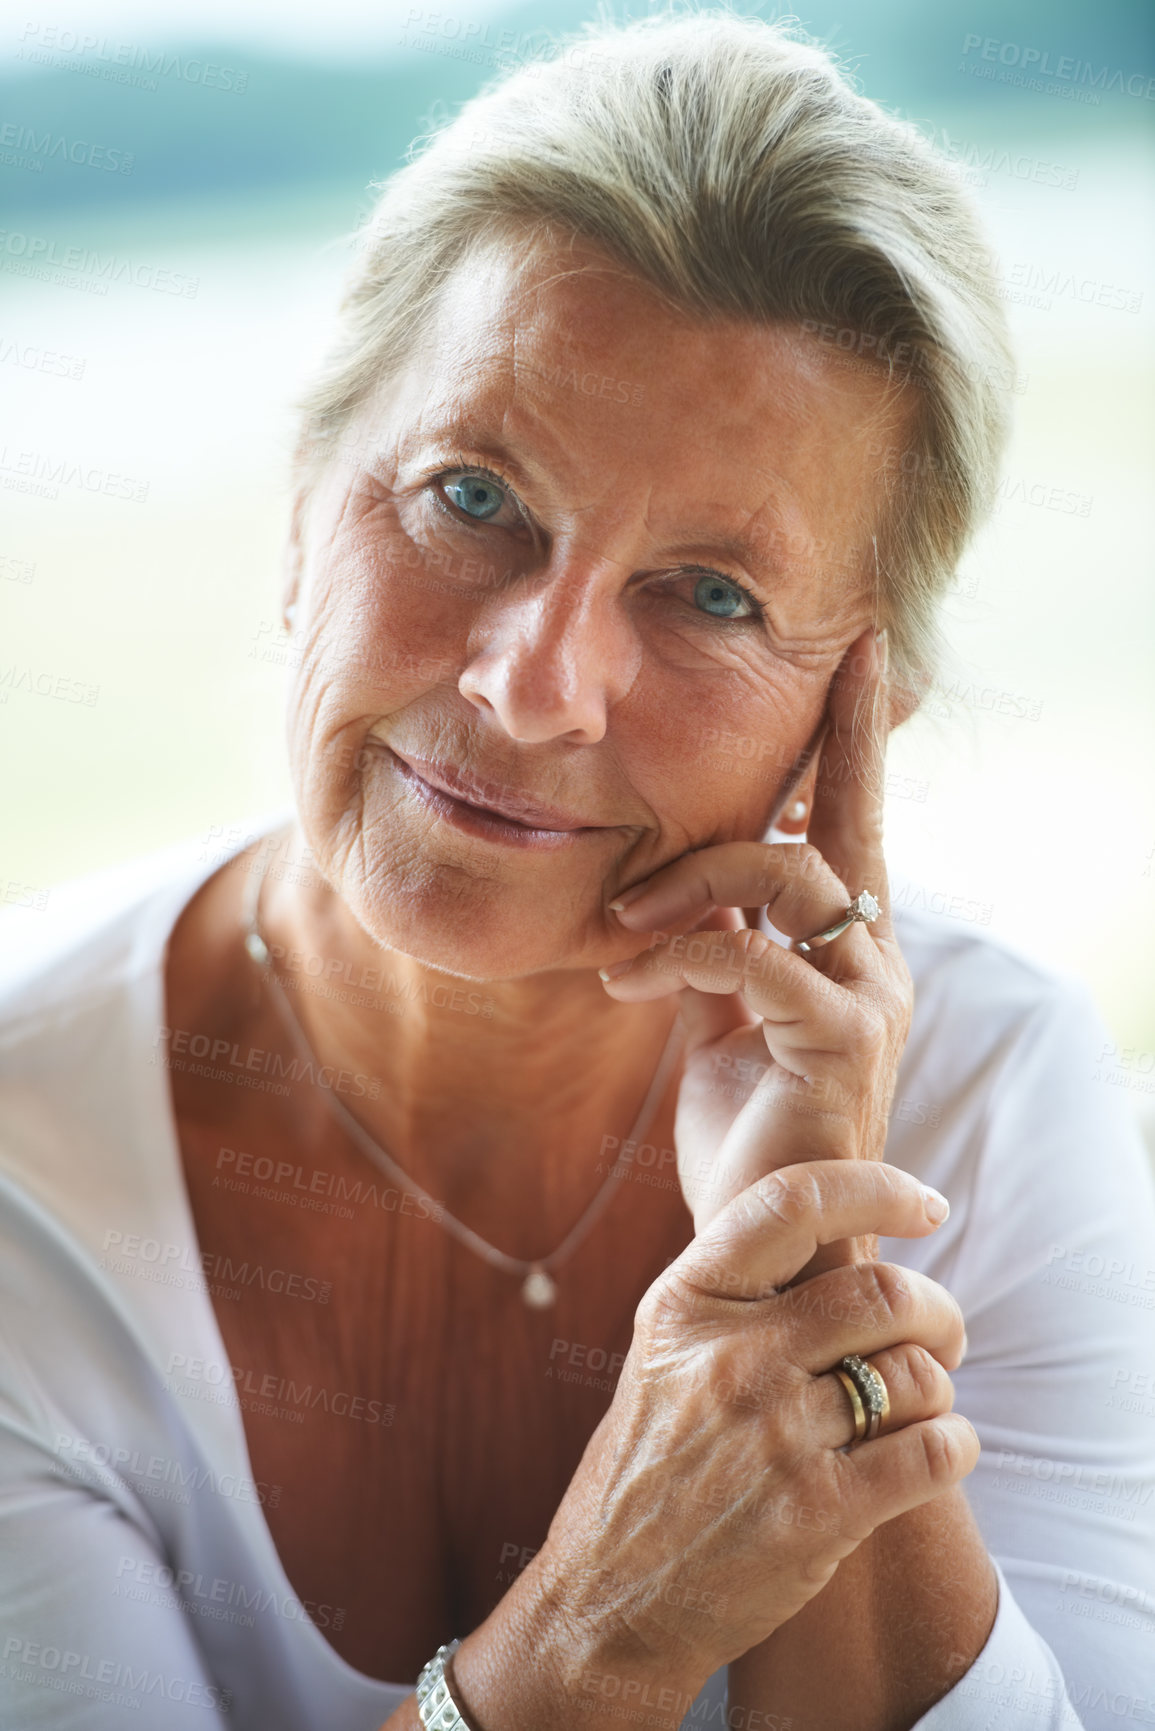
(291, 615)
(796, 811)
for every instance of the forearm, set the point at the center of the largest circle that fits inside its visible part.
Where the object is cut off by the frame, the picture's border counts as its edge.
(526, 1667)
(902, 1619)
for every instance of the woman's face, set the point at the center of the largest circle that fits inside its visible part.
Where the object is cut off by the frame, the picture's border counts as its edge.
(584, 553)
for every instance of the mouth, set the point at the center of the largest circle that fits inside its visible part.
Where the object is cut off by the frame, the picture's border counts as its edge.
(506, 816)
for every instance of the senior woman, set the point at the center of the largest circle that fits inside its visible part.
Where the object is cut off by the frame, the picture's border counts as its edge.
(448, 1234)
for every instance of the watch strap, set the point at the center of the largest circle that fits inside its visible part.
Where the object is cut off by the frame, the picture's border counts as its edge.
(436, 1708)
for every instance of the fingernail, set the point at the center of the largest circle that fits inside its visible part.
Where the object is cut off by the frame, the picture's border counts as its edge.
(936, 1205)
(628, 896)
(614, 969)
(883, 642)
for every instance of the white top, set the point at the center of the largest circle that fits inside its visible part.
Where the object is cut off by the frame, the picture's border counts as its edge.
(136, 1564)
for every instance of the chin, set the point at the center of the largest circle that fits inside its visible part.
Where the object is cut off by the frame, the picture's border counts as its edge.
(471, 929)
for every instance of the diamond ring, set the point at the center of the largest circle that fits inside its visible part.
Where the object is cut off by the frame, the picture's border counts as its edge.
(863, 907)
(869, 1398)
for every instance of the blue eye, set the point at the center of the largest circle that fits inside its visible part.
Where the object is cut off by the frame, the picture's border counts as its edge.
(724, 598)
(476, 496)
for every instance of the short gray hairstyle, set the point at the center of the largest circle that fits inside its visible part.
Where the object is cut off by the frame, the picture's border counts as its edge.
(727, 162)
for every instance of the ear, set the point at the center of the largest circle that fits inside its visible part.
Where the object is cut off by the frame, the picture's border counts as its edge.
(799, 785)
(800, 788)
(293, 558)
(905, 698)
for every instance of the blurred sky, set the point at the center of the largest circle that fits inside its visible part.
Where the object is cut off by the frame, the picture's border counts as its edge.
(1025, 791)
(336, 32)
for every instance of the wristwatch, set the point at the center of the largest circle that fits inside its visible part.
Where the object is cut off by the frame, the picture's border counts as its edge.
(436, 1708)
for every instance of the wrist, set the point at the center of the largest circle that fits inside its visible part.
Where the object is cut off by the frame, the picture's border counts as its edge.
(533, 1663)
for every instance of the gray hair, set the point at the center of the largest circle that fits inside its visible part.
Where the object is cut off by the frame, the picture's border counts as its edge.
(728, 163)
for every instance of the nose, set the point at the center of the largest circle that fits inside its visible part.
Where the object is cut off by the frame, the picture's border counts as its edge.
(552, 655)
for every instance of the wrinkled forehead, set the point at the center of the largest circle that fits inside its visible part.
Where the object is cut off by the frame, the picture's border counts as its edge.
(523, 303)
(564, 357)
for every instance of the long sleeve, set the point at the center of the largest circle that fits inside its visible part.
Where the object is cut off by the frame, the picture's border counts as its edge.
(1051, 1255)
(93, 1636)
(1016, 1681)
(94, 1632)
(139, 1586)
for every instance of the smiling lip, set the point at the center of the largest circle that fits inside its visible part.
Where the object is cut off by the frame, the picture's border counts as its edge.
(516, 810)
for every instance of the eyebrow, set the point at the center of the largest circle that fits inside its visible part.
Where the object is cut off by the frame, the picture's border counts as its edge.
(478, 433)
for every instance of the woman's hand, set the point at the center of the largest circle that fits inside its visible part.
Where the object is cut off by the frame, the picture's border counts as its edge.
(794, 1058)
(717, 1496)
(788, 1057)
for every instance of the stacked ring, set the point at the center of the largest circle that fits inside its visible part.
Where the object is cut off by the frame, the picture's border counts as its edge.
(869, 1399)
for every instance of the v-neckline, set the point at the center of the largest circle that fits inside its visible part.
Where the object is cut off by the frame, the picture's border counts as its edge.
(156, 1113)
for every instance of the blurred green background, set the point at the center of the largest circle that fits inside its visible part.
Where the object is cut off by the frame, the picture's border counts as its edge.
(176, 195)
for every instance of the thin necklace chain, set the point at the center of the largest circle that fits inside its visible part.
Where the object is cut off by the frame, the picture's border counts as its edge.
(538, 1288)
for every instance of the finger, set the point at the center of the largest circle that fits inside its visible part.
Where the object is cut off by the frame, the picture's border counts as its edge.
(812, 1026)
(917, 1388)
(886, 1477)
(847, 816)
(823, 1038)
(799, 890)
(762, 1237)
(867, 1308)
(779, 876)
(709, 1016)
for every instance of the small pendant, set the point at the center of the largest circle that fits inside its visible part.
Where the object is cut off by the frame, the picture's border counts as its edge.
(255, 944)
(538, 1289)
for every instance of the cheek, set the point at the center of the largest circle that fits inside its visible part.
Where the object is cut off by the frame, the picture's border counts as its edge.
(385, 640)
(741, 737)
(393, 624)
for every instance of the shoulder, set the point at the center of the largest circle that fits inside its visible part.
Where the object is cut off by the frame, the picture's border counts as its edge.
(96, 933)
(83, 1115)
(1009, 1100)
(982, 1004)
(956, 961)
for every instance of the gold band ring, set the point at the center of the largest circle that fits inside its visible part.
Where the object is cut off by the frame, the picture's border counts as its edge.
(855, 1401)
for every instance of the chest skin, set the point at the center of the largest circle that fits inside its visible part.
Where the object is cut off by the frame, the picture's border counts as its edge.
(420, 1421)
